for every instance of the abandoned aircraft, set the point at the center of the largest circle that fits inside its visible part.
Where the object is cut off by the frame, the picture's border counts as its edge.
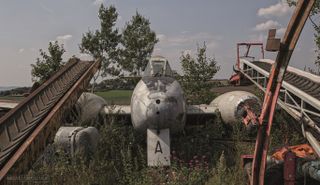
(158, 107)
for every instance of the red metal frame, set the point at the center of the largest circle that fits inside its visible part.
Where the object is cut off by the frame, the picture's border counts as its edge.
(250, 117)
(235, 78)
(289, 168)
(248, 46)
(290, 39)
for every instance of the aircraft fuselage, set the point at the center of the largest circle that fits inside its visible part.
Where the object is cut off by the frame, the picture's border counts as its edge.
(158, 103)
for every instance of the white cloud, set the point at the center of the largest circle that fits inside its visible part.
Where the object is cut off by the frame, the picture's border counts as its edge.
(98, 2)
(161, 37)
(258, 37)
(173, 46)
(263, 36)
(187, 39)
(187, 52)
(270, 24)
(62, 39)
(157, 49)
(46, 9)
(27, 50)
(21, 50)
(85, 56)
(184, 32)
(281, 31)
(278, 10)
(212, 45)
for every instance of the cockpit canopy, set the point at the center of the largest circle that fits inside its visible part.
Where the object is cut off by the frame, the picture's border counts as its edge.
(158, 66)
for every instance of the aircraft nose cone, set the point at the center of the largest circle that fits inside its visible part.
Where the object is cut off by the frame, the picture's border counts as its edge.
(162, 112)
(156, 108)
(160, 105)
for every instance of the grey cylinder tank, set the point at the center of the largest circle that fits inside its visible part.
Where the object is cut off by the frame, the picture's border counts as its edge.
(77, 140)
(231, 105)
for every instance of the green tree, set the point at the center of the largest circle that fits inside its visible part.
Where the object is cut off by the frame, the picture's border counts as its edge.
(316, 25)
(138, 41)
(102, 43)
(47, 64)
(197, 73)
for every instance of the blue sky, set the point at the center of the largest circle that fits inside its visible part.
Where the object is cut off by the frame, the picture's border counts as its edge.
(180, 25)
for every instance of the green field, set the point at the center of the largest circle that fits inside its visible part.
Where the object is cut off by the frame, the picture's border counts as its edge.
(118, 97)
(13, 98)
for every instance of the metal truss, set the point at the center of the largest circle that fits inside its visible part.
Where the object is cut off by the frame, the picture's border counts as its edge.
(300, 105)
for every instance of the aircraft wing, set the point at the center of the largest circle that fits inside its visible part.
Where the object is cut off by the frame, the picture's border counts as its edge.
(202, 109)
(117, 109)
(199, 114)
(196, 114)
(7, 104)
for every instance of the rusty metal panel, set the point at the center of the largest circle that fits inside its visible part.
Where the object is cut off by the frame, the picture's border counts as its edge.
(273, 44)
(272, 33)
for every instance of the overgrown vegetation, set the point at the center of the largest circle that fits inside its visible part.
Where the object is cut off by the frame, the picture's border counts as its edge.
(196, 75)
(102, 43)
(19, 91)
(138, 41)
(116, 97)
(121, 53)
(314, 19)
(125, 52)
(117, 83)
(204, 154)
(48, 63)
(121, 158)
(286, 131)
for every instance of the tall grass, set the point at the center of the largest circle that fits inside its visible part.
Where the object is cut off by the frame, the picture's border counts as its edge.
(197, 156)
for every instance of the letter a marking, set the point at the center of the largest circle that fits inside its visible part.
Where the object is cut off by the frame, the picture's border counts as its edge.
(158, 148)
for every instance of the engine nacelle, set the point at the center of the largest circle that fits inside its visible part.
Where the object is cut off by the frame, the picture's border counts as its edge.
(232, 104)
(90, 106)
